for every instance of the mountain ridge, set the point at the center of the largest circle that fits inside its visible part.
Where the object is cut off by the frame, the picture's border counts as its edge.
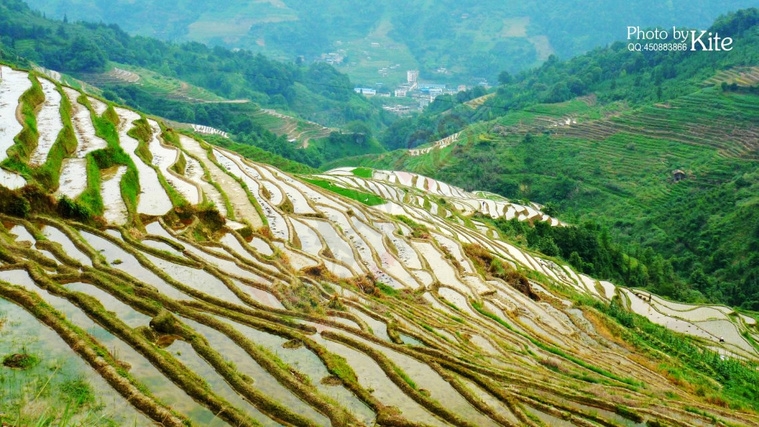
(450, 41)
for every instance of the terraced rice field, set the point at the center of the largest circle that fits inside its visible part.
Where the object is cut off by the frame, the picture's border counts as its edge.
(14, 84)
(311, 308)
(404, 189)
(713, 323)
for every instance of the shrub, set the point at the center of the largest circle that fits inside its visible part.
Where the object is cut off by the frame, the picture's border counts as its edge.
(487, 264)
(628, 413)
(71, 209)
(13, 203)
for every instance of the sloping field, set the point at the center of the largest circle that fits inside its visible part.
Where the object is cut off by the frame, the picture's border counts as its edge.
(728, 122)
(741, 76)
(295, 129)
(477, 102)
(275, 301)
(153, 82)
(437, 198)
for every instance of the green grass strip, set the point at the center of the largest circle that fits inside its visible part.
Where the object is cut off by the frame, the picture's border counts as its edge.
(26, 140)
(90, 197)
(360, 196)
(64, 146)
(363, 172)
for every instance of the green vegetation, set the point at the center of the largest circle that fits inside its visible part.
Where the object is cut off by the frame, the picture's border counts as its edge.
(387, 290)
(692, 362)
(21, 361)
(317, 91)
(629, 413)
(143, 133)
(78, 391)
(90, 199)
(363, 173)
(598, 139)
(356, 140)
(589, 249)
(469, 38)
(404, 376)
(480, 309)
(234, 84)
(339, 367)
(368, 199)
(180, 165)
(418, 231)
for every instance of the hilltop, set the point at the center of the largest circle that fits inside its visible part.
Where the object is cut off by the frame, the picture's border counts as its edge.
(165, 279)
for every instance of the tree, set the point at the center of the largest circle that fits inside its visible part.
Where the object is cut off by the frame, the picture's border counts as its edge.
(85, 55)
(504, 78)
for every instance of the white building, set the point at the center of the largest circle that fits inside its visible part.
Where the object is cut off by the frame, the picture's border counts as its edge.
(365, 91)
(412, 76)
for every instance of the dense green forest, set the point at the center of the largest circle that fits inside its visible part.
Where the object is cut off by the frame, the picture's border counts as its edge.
(635, 118)
(469, 38)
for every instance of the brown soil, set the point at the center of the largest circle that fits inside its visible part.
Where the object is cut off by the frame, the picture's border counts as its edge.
(293, 344)
(331, 380)
(19, 361)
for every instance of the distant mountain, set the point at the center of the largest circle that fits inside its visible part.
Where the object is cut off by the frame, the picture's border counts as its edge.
(454, 41)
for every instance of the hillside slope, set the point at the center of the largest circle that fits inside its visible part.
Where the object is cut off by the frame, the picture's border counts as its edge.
(658, 148)
(173, 281)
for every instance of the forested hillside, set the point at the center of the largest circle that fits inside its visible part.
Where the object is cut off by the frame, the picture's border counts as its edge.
(316, 92)
(192, 83)
(600, 137)
(468, 38)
